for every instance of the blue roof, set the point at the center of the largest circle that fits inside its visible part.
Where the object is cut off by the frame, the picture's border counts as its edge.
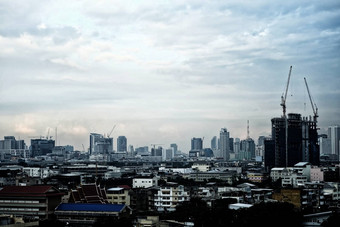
(90, 207)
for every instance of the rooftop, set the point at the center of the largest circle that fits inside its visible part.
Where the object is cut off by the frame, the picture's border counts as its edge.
(90, 207)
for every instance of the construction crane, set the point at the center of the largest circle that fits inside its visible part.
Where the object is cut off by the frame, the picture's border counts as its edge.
(108, 135)
(315, 110)
(283, 104)
(283, 99)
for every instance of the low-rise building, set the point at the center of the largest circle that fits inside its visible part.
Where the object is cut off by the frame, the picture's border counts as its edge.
(31, 202)
(145, 182)
(85, 214)
(229, 177)
(119, 195)
(169, 196)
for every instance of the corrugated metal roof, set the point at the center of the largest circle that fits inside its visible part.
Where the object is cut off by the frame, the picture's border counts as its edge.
(90, 207)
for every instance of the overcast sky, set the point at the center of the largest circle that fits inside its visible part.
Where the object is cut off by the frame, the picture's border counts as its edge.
(164, 71)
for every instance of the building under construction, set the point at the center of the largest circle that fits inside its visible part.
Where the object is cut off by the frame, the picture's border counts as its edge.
(302, 142)
(294, 139)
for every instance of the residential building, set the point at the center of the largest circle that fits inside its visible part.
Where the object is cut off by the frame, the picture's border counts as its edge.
(175, 148)
(224, 143)
(119, 195)
(32, 202)
(334, 136)
(145, 182)
(316, 174)
(229, 177)
(169, 196)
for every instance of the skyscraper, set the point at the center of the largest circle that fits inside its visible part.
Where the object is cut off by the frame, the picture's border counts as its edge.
(224, 143)
(302, 141)
(100, 145)
(334, 136)
(175, 147)
(214, 143)
(196, 144)
(121, 144)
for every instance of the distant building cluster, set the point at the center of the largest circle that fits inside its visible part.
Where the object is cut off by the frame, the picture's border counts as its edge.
(294, 164)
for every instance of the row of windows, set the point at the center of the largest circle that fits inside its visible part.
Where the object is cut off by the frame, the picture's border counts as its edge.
(18, 209)
(18, 201)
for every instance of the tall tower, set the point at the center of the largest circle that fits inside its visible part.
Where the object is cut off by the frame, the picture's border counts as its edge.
(224, 143)
(334, 135)
(121, 144)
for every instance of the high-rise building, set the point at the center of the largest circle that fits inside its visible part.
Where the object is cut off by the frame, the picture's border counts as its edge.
(196, 144)
(175, 147)
(121, 144)
(247, 147)
(100, 145)
(157, 151)
(224, 143)
(10, 143)
(214, 143)
(325, 144)
(302, 141)
(334, 136)
(41, 146)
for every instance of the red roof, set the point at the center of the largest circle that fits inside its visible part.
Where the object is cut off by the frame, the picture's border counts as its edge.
(124, 186)
(39, 190)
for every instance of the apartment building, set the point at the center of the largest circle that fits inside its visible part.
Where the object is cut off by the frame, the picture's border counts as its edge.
(169, 196)
(119, 195)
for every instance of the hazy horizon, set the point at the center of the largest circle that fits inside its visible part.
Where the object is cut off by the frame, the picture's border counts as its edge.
(166, 71)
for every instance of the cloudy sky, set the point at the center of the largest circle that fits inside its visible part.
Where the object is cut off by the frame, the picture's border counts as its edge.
(164, 71)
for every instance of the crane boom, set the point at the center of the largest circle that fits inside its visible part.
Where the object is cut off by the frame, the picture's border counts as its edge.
(315, 110)
(111, 131)
(283, 99)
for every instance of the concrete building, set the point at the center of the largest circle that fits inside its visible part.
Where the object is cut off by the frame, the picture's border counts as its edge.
(175, 148)
(334, 136)
(119, 195)
(302, 142)
(144, 182)
(33, 202)
(100, 145)
(224, 143)
(121, 144)
(41, 147)
(169, 196)
(82, 214)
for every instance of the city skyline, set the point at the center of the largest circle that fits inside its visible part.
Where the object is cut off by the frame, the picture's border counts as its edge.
(164, 72)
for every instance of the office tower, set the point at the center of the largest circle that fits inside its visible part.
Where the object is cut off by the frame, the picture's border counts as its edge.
(302, 141)
(175, 147)
(10, 143)
(334, 136)
(157, 151)
(224, 143)
(247, 147)
(325, 144)
(100, 145)
(237, 145)
(231, 145)
(214, 143)
(41, 146)
(121, 144)
(196, 144)
(168, 154)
